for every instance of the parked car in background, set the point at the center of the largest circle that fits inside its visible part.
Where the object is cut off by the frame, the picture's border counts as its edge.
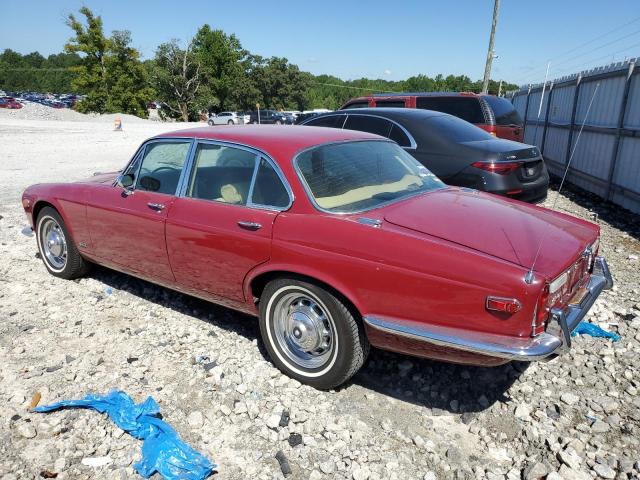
(456, 151)
(292, 113)
(10, 103)
(305, 116)
(268, 117)
(494, 114)
(239, 216)
(225, 118)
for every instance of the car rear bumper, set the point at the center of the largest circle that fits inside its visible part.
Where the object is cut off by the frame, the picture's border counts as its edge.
(554, 341)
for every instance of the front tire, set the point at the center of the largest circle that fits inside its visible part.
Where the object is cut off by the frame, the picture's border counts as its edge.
(230, 122)
(311, 334)
(57, 250)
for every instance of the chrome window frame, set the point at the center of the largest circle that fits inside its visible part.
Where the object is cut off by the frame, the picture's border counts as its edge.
(413, 145)
(259, 154)
(142, 150)
(312, 198)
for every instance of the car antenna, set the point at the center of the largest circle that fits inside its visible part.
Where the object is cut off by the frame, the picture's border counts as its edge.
(528, 278)
(544, 87)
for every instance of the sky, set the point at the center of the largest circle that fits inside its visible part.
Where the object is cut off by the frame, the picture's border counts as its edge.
(353, 39)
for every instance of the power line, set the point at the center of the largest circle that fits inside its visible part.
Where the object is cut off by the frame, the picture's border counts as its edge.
(581, 65)
(578, 47)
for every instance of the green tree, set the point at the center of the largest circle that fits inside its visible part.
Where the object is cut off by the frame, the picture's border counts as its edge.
(127, 81)
(110, 73)
(222, 68)
(91, 74)
(176, 78)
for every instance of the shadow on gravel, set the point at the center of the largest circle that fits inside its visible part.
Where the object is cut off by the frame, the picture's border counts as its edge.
(438, 386)
(608, 212)
(442, 387)
(225, 318)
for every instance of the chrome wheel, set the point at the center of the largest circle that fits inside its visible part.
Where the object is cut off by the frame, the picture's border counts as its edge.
(53, 243)
(303, 330)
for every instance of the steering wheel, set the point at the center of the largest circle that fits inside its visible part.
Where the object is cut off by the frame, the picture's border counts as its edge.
(163, 168)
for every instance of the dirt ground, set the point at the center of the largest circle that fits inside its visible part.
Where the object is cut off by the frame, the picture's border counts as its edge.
(577, 416)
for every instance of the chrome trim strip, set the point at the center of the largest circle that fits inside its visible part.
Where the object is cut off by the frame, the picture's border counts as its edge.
(490, 344)
(555, 340)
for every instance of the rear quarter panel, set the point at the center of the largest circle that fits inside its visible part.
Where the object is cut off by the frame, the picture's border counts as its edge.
(392, 272)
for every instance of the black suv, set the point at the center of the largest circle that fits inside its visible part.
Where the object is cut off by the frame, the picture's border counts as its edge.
(268, 117)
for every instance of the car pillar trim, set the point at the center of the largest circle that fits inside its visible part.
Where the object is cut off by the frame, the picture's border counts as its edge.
(555, 340)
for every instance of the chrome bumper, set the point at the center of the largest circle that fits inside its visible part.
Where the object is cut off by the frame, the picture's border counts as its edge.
(556, 339)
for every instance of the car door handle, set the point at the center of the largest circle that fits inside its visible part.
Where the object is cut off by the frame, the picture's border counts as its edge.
(155, 206)
(249, 225)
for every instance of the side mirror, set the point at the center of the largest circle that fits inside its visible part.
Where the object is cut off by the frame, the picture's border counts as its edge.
(125, 181)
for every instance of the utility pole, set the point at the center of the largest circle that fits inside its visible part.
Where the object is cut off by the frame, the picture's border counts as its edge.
(487, 67)
(500, 88)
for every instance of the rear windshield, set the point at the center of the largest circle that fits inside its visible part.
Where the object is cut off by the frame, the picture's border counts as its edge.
(503, 110)
(466, 108)
(455, 129)
(355, 176)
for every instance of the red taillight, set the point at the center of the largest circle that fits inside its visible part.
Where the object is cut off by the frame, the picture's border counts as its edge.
(542, 313)
(499, 304)
(501, 168)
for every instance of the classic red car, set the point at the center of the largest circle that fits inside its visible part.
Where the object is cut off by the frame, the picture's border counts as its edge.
(337, 240)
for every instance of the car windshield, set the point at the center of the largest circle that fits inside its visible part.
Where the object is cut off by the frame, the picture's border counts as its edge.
(355, 176)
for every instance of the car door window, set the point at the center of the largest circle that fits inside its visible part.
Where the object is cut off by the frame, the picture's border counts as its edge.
(162, 166)
(222, 174)
(390, 103)
(364, 123)
(332, 121)
(466, 108)
(398, 136)
(268, 189)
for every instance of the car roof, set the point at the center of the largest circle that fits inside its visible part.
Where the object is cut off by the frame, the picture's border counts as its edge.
(273, 139)
(391, 113)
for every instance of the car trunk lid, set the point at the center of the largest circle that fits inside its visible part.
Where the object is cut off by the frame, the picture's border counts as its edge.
(505, 229)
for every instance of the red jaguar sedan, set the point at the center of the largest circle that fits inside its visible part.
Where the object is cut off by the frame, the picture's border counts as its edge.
(336, 240)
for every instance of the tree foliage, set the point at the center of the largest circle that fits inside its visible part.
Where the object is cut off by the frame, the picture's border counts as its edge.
(214, 72)
(110, 73)
(176, 77)
(34, 72)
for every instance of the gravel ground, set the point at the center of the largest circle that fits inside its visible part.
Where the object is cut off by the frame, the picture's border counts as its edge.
(577, 416)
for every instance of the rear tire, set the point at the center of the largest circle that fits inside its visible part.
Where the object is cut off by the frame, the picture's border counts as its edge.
(57, 250)
(311, 334)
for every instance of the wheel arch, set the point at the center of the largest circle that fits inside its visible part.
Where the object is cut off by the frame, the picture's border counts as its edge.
(256, 283)
(40, 204)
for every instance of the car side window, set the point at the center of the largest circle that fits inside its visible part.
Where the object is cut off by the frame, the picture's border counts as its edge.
(390, 103)
(357, 105)
(332, 121)
(364, 123)
(466, 108)
(268, 189)
(222, 174)
(161, 166)
(398, 136)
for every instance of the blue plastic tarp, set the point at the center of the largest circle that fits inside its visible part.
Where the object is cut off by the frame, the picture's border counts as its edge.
(586, 328)
(162, 450)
